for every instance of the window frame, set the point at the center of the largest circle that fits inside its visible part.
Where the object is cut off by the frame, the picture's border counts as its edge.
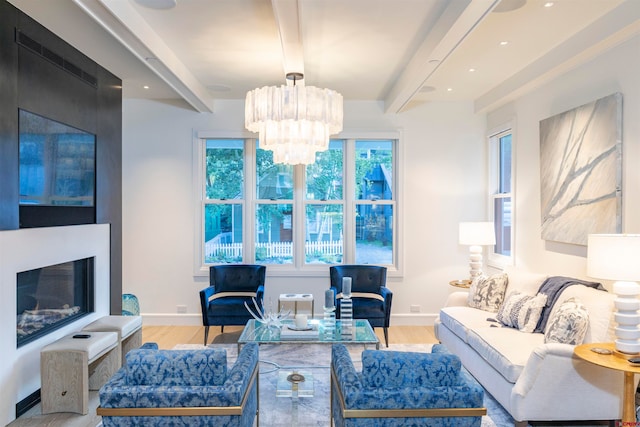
(299, 267)
(495, 259)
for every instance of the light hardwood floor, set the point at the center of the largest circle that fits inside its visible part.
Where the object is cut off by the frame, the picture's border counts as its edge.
(168, 336)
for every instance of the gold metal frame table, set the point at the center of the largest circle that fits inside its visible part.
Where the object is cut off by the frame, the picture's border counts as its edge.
(619, 362)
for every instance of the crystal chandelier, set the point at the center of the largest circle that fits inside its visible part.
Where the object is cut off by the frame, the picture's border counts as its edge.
(293, 121)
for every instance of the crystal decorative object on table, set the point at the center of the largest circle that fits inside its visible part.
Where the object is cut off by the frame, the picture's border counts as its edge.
(268, 318)
(329, 315)
(346, 308)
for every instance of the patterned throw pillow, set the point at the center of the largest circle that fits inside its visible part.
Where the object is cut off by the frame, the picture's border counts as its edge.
(487, 293)
(521, 311)
(569, 323)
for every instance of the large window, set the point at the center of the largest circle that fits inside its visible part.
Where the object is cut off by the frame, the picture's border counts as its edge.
(501, 183)
(339, 209)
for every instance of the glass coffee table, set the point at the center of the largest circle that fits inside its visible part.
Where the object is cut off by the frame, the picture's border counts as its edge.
(361, 333)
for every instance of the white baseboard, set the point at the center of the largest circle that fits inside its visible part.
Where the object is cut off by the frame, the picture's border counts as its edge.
(195, 319)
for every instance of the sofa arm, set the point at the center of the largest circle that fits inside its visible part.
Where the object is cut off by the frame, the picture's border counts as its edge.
(457, 299)
(240, 375)
(552, 373)
(546, 356)
(345, 373)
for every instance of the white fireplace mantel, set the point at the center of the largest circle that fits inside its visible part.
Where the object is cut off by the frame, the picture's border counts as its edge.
(28, 249)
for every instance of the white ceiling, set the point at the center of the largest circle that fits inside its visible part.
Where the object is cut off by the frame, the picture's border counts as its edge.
(400, 52)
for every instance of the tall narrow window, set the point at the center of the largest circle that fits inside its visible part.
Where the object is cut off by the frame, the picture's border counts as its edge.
(324, 201)
(501, 194)
(223, 201)
(274, 210)
(375, 202)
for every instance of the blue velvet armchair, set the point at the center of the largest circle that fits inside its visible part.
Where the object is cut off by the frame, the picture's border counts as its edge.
(230, 286)
(182, 388)
(398, 389)
(369, 293)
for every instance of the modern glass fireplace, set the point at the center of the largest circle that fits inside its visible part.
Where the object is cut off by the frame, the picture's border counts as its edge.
(53, 296)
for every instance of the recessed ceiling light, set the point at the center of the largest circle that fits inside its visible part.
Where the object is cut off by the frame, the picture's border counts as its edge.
(449, 89)
(504, 43)
(219, 88)
(472, 70)
(509, 5)
(158, 4)
(548, 4)
(145, 87)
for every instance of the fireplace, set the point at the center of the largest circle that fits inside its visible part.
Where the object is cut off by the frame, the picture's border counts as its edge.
(53, 296)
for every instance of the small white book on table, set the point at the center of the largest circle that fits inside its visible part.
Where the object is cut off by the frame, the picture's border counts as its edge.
(290, 332)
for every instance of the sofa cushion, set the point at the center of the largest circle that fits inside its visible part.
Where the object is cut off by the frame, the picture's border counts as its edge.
(396, 369)
(568, 324)
(599, 305)
(505, 349)
(176, 367)
(462, 319)
(524, 281)
(487, 293)
(521, 311)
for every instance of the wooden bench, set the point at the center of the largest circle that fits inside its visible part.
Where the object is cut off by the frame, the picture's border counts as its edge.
(129, 329)
(70, 367)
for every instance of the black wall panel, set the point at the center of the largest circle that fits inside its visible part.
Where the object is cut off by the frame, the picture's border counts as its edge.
(109, 171)
(41, 73)
(9, 183)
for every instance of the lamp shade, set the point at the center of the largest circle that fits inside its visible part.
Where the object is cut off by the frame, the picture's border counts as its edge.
(477, 233)
(614, 256)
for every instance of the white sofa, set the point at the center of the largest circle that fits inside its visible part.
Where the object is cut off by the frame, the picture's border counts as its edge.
(532, 380)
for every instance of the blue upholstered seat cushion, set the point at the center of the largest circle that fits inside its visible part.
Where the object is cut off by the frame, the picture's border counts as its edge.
(176, 367)
(230, 306)
(368, 308)
(391, 369)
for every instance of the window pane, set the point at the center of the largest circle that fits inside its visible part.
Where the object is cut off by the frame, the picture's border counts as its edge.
(323, 243)
(274, 234)
(273, 181)
(374, 160)
(502, 221)
(374, 234)
(223, 233)
(224, 169)
(324, 177)
(505, 164)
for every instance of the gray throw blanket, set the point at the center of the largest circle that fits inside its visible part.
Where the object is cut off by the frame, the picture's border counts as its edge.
(552, 288)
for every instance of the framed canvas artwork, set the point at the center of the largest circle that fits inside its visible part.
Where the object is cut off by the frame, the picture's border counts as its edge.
(581, 171)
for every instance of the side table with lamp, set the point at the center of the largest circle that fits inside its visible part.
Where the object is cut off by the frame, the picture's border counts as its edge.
(615, 257)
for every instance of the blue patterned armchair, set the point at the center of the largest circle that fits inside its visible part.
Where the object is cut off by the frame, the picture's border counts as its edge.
(398, 389)
(182, 388)
(230, 286)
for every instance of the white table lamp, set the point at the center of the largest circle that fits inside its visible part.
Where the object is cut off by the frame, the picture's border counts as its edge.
(475, 235)
(617, 257)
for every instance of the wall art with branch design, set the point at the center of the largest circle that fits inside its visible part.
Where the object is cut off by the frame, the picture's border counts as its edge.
(581, 171)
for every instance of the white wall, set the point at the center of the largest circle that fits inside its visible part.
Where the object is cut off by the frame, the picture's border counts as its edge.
(616, 70)
(444, 169)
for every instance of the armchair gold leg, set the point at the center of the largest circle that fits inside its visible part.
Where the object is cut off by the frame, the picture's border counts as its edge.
(206, 335)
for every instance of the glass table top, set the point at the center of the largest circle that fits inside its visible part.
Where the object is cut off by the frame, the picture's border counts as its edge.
(361, 333)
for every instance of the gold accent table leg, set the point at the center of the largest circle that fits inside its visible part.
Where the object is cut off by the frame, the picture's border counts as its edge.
(628, 409)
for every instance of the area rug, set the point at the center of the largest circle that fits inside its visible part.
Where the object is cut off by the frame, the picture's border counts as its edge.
(315, 359)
